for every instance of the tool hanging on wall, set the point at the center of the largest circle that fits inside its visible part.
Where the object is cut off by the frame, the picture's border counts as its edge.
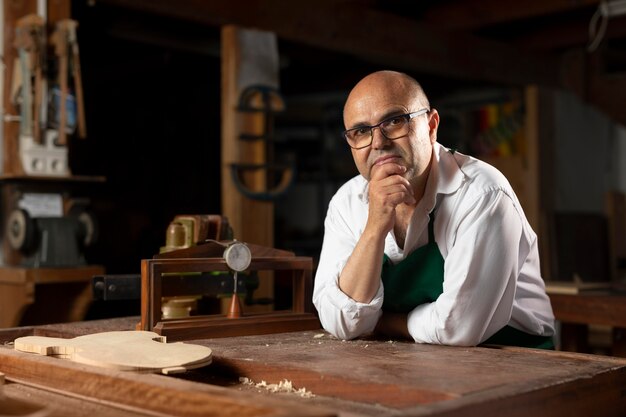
(67, 53)
(266, 100)
(45, 123)
(30, 44)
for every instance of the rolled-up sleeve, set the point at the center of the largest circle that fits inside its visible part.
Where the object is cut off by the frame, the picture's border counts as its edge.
(339, 314)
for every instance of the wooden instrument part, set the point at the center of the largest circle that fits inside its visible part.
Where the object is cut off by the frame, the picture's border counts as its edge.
(28, 43)
(137, 351)
(59, 38)
(71, 26)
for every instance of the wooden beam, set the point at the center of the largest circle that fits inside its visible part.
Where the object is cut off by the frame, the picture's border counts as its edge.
(252, 220)
(345, 27)
(569, 35)
(474, 14)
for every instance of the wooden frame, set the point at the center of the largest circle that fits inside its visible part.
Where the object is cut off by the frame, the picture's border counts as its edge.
(301, 316)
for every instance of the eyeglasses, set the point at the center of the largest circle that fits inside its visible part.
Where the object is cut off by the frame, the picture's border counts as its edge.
(392, 128)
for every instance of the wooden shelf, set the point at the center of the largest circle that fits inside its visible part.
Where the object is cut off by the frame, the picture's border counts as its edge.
(64, 179)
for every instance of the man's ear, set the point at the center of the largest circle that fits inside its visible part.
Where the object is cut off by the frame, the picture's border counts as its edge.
(433, 124)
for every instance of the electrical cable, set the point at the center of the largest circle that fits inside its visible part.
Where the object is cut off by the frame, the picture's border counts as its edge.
(606, 10)
(594, 33)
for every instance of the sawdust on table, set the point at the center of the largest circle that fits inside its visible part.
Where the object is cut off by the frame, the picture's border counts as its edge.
(283, 386)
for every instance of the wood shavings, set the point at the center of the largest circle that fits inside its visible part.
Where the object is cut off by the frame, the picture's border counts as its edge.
(319, 335)
(283, 386)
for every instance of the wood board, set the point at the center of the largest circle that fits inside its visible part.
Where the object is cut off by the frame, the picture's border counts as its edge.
(136, 351)
(364, 377)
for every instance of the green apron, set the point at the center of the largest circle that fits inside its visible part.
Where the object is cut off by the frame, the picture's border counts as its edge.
(418, 279)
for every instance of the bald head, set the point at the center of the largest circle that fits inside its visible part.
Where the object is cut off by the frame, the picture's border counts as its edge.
(394, 84)
(385, 96)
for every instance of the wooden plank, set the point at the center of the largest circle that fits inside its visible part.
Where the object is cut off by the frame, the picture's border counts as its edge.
(211, 327)
(404, 42)
(18, 275)
(68, 330)
(568, 35)
(49, 404)
(603, 309)
(150, 393)
(474, 14)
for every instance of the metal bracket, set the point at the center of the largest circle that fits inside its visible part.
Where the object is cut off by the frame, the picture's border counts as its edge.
(288, 176)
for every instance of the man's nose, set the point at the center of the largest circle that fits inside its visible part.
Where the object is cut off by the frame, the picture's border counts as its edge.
(379, 141)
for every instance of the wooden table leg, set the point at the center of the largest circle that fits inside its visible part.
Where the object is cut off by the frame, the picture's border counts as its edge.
(619, 342)
(14, 299)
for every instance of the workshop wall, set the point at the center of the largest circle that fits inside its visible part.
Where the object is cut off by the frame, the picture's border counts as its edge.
(152, 105)
(590, 155)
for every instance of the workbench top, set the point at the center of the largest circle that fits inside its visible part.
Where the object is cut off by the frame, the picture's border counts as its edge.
(367, 377)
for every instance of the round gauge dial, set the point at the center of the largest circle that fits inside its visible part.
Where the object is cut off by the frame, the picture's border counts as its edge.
(237, 256)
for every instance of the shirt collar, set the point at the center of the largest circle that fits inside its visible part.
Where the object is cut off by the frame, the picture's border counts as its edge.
(451, 176)
(445, 176)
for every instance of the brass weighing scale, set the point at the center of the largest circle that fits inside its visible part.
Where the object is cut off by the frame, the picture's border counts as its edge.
(183, 271)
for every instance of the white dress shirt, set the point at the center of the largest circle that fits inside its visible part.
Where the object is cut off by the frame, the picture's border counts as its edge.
(491, 274)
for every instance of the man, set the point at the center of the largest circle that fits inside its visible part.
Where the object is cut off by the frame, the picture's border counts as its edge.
(426, 243)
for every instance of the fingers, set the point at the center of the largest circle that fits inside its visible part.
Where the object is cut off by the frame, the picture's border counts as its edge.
(388, 184)
(387, 189)
(379, 172)
(392, 191)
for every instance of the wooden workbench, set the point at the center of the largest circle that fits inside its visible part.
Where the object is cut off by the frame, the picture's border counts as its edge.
(577, 311)
(355, 378)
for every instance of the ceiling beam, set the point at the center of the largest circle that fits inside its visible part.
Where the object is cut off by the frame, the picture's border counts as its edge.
(386, 39)
(475, 14)
(568, 35)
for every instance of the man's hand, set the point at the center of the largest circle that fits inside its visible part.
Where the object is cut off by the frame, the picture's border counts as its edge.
(387, 189)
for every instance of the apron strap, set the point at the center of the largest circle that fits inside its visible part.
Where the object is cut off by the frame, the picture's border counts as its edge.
(511, 336)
